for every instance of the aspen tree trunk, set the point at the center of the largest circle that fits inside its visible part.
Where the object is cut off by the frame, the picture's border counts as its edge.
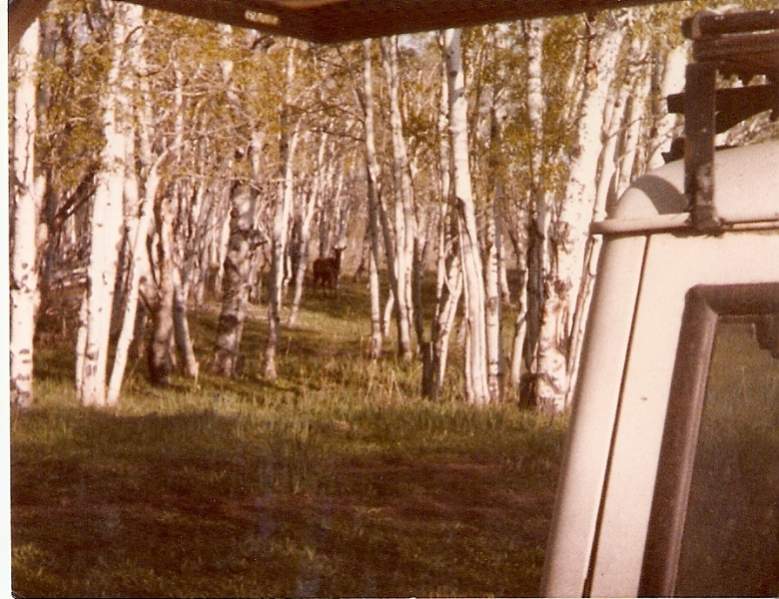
(221, 244)
(576, 80)
(236, 270)
(377, 336)
(160, 352)
(444, 172)
(106, 223)
(417, 278)
(259, 237)
(365, 251)
(181, 333)
(621, 114)
(181, 266)
(493, 254)
(389, 307)
(137, 259)
(81, 338)
(344, 206)
(24, 276)
(138, 264)
(446, 311)
(306, 216)
(324, 233)
(401, 320)
(287, 143)
(448, 269)
(49, 235)
(528, 320)
(520, 321)
(476, 386)
(672, 82)
(634, 115)
(405, 221)
(572, 228)
(606, 185)
(372, 176)
(614, 119)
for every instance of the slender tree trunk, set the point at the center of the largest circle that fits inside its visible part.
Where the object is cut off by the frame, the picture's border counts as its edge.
(24, 276)
(181, 333)
(161, 356)
(81, 338)
(538, 221)
(493, 254)
(562, 289)
(405, 221)
(138, 263)
(372, 176)
(305, 218)
(106, 217)
(236, 269)
(672, 82)
(448, 268)
(476, 383)
(448, 299)
(137, 258)
(401, 319)
(287, 143)
(635, 112)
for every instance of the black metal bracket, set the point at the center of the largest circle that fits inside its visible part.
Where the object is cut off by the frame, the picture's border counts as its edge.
(743, 44)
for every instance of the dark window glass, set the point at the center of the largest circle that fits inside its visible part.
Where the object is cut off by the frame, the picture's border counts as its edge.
(730, 545)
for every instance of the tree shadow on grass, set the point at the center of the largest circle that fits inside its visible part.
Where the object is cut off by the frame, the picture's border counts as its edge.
(201, 503)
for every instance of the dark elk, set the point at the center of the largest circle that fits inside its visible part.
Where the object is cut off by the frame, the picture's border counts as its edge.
(327, 270)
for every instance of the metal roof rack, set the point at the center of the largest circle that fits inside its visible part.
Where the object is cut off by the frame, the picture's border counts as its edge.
(744, 44)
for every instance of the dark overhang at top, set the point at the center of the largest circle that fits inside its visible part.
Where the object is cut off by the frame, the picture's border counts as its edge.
(332, 21)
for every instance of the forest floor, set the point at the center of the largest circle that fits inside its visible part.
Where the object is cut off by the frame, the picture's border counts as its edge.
(338, 479)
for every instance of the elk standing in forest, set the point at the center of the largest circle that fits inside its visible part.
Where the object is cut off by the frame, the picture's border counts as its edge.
(327, 270)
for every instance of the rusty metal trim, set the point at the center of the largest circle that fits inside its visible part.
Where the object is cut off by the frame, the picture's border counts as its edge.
(699, 128)
(704, 307)
(667, 223)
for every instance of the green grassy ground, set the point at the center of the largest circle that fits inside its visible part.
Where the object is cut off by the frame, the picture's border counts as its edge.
(336, 480)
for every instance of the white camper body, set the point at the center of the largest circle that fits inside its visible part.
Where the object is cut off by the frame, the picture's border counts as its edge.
(661, 290)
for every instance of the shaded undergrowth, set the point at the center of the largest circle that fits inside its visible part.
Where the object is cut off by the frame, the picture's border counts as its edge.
(337, 479)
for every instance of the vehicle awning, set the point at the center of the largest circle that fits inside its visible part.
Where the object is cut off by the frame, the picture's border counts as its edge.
(332, 21)
(329, 21)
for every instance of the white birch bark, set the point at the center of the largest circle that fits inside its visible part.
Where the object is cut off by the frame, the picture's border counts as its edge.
(449, 271)
(24, 276)
(138, 264)
(137, 260)
(287, 142)
(184, 345)
(520, 320)
(372, 176)
(493, 253)
(106, 223)
(383, 219)
(236, 269)
(562, 289)
(635, 112)
(528, 320)
(161, 351)
(405, 220)
(667, 125)
(305, 218)
(444, 173)
(476, 384)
